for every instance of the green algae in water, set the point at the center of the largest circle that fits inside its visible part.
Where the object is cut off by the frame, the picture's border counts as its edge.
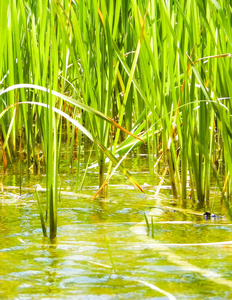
(80, 264)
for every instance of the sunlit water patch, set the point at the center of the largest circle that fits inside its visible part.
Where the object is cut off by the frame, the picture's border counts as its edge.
(104, 250)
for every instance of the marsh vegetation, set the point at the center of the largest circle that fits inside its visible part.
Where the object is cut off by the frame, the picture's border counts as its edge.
(112, 80)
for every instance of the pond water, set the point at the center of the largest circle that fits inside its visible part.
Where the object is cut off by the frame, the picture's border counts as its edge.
(104, 251)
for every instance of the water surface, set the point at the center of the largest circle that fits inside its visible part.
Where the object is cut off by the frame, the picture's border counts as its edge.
(104, 250)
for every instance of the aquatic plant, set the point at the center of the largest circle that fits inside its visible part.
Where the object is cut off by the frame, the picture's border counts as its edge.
(52, 149)
(159, 69)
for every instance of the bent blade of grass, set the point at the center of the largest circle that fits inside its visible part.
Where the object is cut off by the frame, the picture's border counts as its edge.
(86, 132)
(70, 100)
(136, 84)
(113, 171)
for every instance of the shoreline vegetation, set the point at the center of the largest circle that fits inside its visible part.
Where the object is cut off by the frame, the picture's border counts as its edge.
(116, 77)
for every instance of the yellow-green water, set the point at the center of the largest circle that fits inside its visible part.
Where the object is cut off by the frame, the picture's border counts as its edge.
(103, 250)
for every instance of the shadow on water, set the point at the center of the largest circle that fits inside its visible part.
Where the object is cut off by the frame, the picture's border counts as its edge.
(104, 250)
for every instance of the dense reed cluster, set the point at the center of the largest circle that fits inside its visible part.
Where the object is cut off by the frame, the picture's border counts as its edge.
(123, 73)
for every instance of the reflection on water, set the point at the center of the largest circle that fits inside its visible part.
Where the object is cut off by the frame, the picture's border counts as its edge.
(82, 264)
